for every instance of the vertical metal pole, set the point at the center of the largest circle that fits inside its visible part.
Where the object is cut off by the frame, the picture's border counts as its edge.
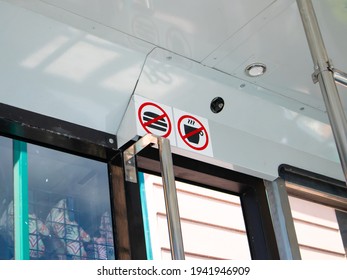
(173, 216)
(282, 220)
(20, 201)
(325, 76)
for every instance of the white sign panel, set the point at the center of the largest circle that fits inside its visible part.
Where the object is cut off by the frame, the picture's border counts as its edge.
(184, 130)
(154, 118)
(192, 133)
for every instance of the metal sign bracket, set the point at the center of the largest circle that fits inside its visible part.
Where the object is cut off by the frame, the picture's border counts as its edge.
(130, 153)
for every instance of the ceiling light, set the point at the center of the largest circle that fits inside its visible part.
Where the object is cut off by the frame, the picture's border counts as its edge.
(255, 69)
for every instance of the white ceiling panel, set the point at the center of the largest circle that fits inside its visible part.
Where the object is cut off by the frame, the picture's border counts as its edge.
(54, 69)
(280, 43)
(332, 18)
(192, 28)
(221, 34)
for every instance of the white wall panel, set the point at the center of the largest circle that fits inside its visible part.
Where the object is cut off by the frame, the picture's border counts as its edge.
(204, 209)
(313, 212)
(313, 254)
(212, 222)
(256, 131)
(205, 240)
(317, 230)
(317, 236)
(213, 231)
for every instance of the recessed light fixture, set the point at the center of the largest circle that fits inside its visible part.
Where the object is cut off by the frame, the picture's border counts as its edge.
(255, 69)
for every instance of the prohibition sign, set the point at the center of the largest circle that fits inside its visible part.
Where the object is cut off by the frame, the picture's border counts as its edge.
(196, 131)
(154, 119)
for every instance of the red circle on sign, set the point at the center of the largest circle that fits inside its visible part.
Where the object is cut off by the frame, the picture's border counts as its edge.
(162, 116)
(184, 137)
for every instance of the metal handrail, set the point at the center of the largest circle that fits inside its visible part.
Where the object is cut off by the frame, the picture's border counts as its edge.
(326, 79)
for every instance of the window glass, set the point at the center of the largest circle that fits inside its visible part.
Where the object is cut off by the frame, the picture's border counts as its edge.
(6, 200)
(212, 222)
(318, 230)
(69, 206)
(342, 220)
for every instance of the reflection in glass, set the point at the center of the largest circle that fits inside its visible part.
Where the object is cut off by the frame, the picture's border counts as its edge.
(6, 200)
(69, 207)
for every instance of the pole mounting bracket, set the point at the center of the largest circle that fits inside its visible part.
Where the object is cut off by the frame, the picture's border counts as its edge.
(320, 67)
(130, 153)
